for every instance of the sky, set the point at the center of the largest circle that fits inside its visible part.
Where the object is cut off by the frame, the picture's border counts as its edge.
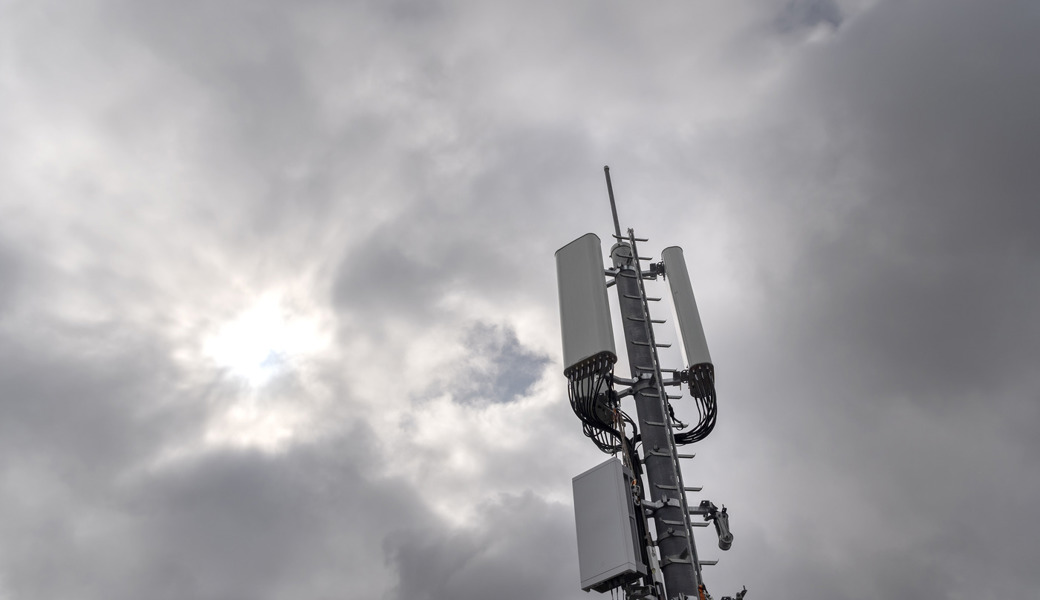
(278, 306)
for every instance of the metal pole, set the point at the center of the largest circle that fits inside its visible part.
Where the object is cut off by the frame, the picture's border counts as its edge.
(679, 563)
(613, 207)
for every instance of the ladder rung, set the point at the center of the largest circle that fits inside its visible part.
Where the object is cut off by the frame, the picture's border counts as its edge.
(632, 296)
(674, 397)
(636, 319)
(658, 321)
(663, 345)
(649, 299)
(655, 423)
(685, 455)
(693, 489)
(707, 563)
(698, 524)
(666, 487)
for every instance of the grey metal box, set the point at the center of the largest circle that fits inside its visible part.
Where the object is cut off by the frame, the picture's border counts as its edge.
(604, 513)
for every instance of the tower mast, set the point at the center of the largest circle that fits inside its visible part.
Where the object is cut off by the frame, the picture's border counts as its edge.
(667, 505)
(612, 506)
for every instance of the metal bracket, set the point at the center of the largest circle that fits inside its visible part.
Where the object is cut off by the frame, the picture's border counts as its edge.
(681, 558)
(651, 507)
(640, 592)
(670, 532)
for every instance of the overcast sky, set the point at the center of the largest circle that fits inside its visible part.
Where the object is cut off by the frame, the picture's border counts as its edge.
(278, 312)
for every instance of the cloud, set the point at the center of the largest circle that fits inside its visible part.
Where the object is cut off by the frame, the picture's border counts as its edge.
(851, 181)
(798, 14)
(518, 547)
(501, 369)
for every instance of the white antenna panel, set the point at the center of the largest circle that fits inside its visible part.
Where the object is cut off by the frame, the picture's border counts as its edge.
(694, 344)
(584, 311)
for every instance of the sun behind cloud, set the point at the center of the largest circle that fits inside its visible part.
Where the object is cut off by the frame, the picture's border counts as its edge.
(264, 341)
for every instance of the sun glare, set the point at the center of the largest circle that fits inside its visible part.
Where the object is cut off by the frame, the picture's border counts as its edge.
(263, 342)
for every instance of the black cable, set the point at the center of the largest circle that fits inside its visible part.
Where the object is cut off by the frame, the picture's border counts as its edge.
(593, 400)
(701, 379)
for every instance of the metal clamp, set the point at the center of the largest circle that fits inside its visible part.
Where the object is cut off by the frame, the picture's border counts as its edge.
(682, 558)
(651, 507)
(670, 532)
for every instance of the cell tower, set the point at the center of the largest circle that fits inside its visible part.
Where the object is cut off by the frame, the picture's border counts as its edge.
(615, 501)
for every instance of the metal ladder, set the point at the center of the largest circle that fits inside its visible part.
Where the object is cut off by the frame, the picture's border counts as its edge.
(663, 397)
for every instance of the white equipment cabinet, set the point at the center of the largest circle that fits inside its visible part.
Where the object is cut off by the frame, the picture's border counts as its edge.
(604, 513)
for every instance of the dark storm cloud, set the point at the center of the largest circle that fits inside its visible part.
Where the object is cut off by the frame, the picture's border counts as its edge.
(932, 281)
(901, 330)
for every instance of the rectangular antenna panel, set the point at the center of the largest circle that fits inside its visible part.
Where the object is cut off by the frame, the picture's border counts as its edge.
(604, 513)
(694, 343)
(584, 311)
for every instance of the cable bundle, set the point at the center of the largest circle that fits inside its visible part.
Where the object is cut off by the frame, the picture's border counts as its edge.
(593, 399)
(701, 379)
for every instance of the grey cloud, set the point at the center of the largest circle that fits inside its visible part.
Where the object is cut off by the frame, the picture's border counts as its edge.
(479, 236)
(88, 417)
(502, 368)
(71, 429)
(885, 211)
(245, 524)
(518, 547)
(900, 340)
(10, 274)
(230, 525)
(932, 277)
(798, 14)
(389, 276)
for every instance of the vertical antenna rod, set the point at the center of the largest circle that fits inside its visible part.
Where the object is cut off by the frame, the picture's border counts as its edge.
(613, 207)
